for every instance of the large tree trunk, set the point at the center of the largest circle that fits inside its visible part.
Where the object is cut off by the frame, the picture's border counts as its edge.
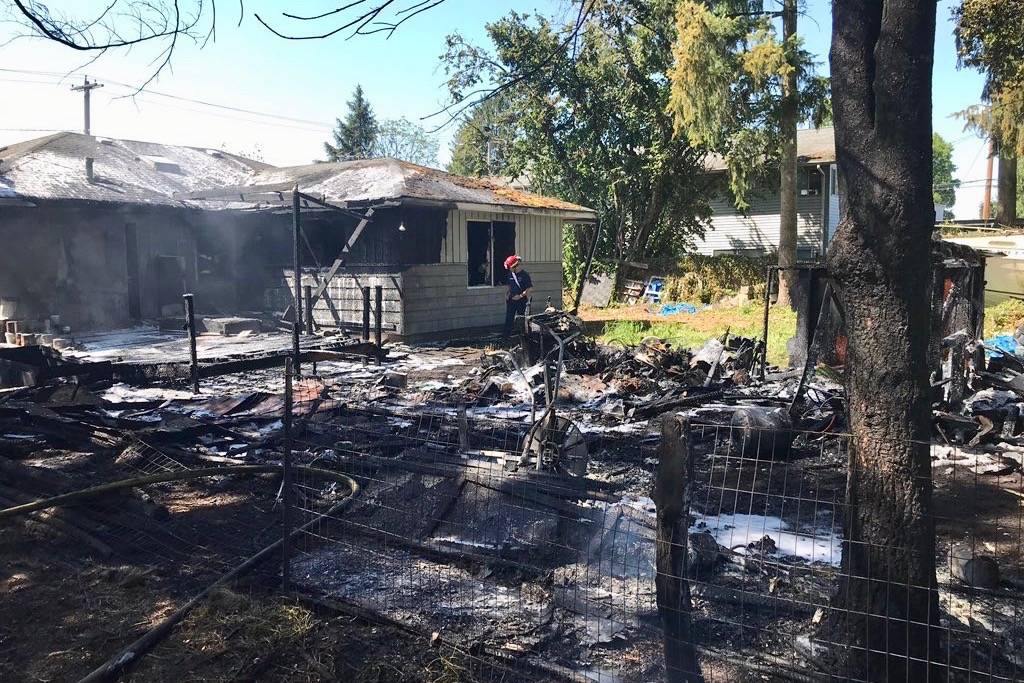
(787, 170)
(1007, 187)
(884, 616)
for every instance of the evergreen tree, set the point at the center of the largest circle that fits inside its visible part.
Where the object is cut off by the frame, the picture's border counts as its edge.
(356, 136)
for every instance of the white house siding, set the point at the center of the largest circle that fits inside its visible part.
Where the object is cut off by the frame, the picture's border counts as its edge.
(732, 231)
(434, 298)
(437, 297)
(342, 305)
(538, 238)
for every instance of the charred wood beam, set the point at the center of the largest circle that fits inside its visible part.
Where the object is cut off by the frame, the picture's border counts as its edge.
(143, 373)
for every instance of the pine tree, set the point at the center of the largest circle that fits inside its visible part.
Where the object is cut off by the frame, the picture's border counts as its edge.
(356, 136)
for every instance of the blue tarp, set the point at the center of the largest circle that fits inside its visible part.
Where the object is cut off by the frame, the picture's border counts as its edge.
(672, 309)
(1005, 342)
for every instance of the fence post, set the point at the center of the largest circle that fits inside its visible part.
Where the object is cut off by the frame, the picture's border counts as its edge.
(673, 488)
(190, 326)
(768, 272)
(286, 477)
(378, 296)
(307, 293)
(297, 274)
(366, 314)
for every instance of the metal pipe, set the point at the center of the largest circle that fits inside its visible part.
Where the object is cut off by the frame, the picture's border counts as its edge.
(366, 314)
(307, 292)
(297, 274)
(286, 478)
(190, 326)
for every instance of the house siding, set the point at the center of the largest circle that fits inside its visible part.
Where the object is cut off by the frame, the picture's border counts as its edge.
(758, 230)
(427, 299)
(437, 297)
(538, 238)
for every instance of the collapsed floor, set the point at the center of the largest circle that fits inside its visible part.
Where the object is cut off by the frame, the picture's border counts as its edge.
(456, 538)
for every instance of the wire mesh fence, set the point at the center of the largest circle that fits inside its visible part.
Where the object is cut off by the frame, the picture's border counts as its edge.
(522, 572)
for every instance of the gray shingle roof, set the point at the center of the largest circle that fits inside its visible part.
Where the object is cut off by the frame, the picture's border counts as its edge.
(818, 145)
(53, 167)
(370, 181)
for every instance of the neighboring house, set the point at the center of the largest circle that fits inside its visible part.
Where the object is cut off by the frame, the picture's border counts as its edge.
(106, 232)
(756, 230)
(436, 242)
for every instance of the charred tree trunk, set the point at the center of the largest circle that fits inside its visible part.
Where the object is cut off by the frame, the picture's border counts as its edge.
(883, 621)
(787, 169)
(1007, 214)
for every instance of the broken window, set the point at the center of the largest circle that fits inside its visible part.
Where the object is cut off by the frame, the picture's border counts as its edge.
(489, 243)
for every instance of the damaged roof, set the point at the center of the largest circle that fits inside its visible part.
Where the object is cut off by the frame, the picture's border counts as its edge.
(377, 181)
(53, 168)
(813, 146)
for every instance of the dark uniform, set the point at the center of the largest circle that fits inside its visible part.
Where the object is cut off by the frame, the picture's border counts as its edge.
(517, 284)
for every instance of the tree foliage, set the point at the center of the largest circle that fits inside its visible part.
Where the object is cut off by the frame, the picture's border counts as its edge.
(727, 87)
(356, 136)
(990, 38)
(944, 184)
(402, 139)
(590, 107)
(484, 138)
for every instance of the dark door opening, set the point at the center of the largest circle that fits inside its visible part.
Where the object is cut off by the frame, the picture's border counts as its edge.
(131, 249)
(170, 285)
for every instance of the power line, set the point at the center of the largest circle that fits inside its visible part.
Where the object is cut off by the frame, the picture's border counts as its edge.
(205, 103)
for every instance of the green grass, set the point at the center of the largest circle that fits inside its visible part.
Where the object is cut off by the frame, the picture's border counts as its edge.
(1003, 317)
(693, 331)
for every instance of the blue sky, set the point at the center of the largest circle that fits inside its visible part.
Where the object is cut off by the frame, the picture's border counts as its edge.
(249, 68)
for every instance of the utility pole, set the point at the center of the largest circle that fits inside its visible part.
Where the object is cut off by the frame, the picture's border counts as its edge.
(85, 89)
(986, 202)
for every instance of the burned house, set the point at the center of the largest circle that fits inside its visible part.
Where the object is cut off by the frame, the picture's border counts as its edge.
(434, 242)
(94, 235)
(103, 233)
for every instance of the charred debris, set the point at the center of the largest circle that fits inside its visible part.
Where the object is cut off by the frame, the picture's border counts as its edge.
(482, 468)
(557, 381)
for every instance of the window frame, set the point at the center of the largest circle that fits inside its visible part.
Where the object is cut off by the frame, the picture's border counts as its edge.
(490, 249)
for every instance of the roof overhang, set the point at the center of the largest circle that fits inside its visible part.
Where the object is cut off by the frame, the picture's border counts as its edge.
(275, 198)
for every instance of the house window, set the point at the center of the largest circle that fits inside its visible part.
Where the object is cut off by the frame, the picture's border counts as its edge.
(489, 244)
(808, 181)
(833, 180)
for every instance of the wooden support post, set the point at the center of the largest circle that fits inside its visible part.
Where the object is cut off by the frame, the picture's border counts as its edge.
(673, 489)
(366, 314)
(768, 272)
(378, 301)
(297, 274)
(286, 478)
(307, 291)
(190, 326)
(586, 270)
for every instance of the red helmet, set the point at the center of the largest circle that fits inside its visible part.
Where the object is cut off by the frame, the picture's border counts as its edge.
(511, 261)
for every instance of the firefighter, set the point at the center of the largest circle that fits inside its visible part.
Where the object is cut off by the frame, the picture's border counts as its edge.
(519, 288)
